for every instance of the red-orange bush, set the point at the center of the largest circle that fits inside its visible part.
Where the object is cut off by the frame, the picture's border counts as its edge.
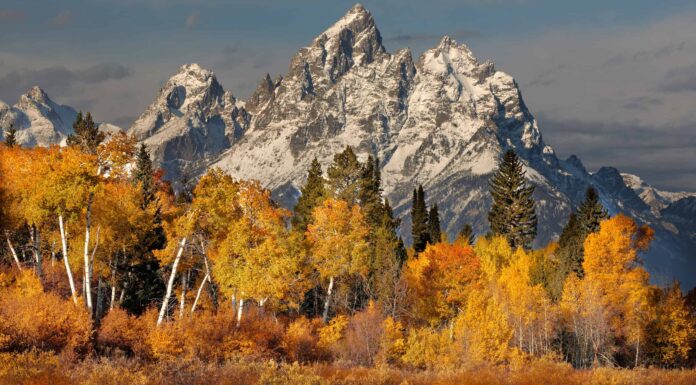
(122, 332)
(32, 319)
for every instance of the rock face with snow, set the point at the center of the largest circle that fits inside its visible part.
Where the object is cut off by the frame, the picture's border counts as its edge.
(441, 121)
(192, 120)
(39, 121)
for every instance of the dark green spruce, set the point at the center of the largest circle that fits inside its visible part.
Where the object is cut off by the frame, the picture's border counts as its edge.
(434, 229)
(513, 213)
(420, 231)
(11, 136)
(86, 134)
(313, 192)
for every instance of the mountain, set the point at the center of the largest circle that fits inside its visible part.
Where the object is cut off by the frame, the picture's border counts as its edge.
(192, 120)
(39, 121)
(441, 120)
(656, 199)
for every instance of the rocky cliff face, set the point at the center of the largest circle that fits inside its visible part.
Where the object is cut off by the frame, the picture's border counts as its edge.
(39, 121)
(192, 120)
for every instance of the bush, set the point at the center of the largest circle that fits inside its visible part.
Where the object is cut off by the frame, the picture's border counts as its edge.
(121, 332)
(300, 341)
(31, 319)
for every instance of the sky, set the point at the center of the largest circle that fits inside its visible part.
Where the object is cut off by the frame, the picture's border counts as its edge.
(613, 82)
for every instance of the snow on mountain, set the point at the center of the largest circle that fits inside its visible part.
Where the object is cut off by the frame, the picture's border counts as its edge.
(656, 199)
(442, 121)
(191, 121)
(39, 121)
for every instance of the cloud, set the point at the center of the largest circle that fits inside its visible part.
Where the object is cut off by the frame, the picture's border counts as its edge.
(62, 19)
(191, 20)
(58, 79)
(681, 79)
(662, 155)
(11, 15)
(412, 38)
(645, 56)
(641, 103)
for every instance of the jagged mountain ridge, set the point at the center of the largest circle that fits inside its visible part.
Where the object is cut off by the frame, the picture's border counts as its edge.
(441, 121)
(192, 120)
(40, 121)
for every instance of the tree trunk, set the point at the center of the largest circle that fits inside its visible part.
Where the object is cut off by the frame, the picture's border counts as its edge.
(328, 300)
(14, 252)
(36, 246)
(198, 294)
(637, 352)
(182, 304)
(88, 275)
(64, 242)
(239, 311)
(170, 284)
(100, 299)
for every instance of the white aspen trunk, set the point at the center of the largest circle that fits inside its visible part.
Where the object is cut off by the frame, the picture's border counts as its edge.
(88, 276)
(123, 294)
(36, 244)
(14, 252)
(113, 298)
(198, 294)
(328, 300)
(262, 303)
(64, 241)
(637, 351)
(240, 309)
(182, 304)
(170, 284)
(234, 302)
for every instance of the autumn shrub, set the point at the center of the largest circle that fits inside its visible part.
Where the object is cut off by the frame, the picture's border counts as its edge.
(363, 335)
(428, 348)
(32, 319)
(300, 342)
(121, 332)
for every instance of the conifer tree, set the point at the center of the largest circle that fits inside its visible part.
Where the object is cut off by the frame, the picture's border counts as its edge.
(591, 212)
(143, 175)
(467, 234)
(86, 134)
(419, 220)
(513, 212)
(312, 192)
(11, 137)
(344, 177)
(434, 229)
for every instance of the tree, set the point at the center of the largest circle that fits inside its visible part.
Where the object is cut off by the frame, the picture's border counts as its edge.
(11, 137)
(419, 220)
(434, 230)
(673, 329)
(338, 243)
(86, 135)
(312, 193)
(143, 175)
(344, 176)
(467, 235)
(591, 212)
(513, 213)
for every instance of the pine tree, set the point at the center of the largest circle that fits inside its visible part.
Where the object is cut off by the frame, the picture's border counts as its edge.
(370, 193)
(513, 212)
(143, 175)
(11, 137)
(467, 234)
(86, 134)
(313, 192)
(419, 220)
(591, 212)
(344, 177)
(434, 229)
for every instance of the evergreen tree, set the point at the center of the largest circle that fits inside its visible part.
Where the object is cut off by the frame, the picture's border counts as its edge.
(143, 175)
(313, 192)
(591, 212)
(467, 234)
(86, 134)
(419, 220)
(513, 212)
(434, 229)
(11, 137)
(370, 192)
(344, 177)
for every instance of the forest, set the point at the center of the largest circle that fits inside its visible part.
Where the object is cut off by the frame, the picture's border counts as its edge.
(108, 277)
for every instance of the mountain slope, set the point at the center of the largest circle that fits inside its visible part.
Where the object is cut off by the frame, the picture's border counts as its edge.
(39, 121)
(192, 120)
(441, 121)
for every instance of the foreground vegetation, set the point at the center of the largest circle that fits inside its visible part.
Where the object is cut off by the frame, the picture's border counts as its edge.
(108, 277)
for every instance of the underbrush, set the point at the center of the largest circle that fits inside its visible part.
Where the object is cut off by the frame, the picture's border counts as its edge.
(34, 368)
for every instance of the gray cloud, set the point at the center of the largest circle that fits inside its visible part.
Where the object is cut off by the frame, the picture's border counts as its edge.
(58, 80)
(680, 79)
(644, 56)
(412, 38)
(662, 155)
(62, 19)
(641, 103)
(11, 15)
(191, 20)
